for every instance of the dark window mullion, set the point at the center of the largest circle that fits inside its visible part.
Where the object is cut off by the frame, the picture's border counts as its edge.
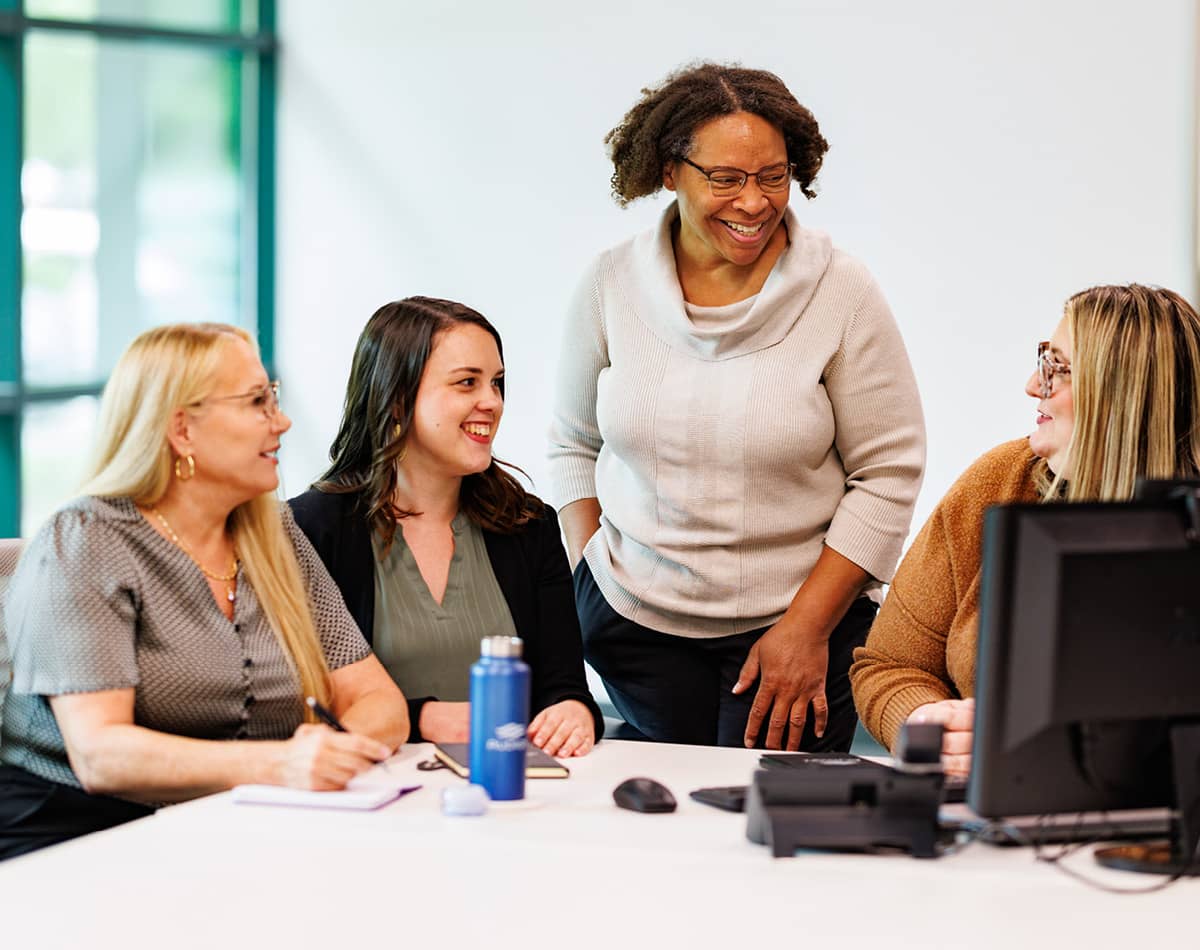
(264, 212)
(13, 23)
(11, 134)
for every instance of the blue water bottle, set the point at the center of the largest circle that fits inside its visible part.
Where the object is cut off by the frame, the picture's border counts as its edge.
(499, 718)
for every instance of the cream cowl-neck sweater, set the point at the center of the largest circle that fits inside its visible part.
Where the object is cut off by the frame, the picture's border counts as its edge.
(724, 455)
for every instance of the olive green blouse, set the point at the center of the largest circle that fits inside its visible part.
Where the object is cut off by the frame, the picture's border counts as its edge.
(427, 647)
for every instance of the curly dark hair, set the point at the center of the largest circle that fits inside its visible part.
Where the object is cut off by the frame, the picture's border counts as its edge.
(659, 128)
(381, 396)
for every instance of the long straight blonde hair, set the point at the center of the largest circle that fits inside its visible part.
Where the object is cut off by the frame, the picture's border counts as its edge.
(175, 366)
(1135, 377)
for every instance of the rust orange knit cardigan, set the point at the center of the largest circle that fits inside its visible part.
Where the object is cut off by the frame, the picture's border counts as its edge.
(921, 648)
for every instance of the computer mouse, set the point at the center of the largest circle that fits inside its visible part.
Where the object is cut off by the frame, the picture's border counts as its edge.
(644, 794)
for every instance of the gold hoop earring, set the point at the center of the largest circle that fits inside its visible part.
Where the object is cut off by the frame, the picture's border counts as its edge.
(397, 430)
(191, 464)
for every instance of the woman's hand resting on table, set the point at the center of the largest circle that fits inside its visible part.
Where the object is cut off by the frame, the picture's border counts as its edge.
(317, 758)
(957, 717)
(564, 729)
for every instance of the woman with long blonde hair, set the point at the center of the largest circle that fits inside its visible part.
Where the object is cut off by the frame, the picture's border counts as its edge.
(1118, 391)
(175, 606)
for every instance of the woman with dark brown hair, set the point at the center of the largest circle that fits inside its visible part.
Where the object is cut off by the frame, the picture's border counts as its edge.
(737, 440)
(433, 544)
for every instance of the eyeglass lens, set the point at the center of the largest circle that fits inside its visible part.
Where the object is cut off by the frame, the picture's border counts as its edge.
(1048, 368)
(771, 179)
(729, 181)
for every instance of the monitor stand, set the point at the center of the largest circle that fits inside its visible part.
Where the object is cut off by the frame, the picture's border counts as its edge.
(1180, 855)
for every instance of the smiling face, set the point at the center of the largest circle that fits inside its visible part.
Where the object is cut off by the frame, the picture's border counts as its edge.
(1051, 439)
(739, 228)
(458, 406)
(233, 440)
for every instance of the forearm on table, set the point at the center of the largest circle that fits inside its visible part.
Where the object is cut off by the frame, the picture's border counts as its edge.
(144, 765)
(381, 714)
(368, 702)
(902, 666)
(580, 520)
(886, 694)
(444, 721)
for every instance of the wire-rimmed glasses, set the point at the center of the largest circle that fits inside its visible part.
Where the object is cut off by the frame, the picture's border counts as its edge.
(724, 182)
(263, 398)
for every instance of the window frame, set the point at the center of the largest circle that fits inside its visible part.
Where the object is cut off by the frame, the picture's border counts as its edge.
(258, 52)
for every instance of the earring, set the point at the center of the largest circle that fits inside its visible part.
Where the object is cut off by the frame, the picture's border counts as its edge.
(191, 464)
(397, 429)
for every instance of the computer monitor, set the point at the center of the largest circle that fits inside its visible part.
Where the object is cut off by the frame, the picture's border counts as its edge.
(1088, 676)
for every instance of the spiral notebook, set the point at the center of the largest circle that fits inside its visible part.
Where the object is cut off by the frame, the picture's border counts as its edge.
(456, 755)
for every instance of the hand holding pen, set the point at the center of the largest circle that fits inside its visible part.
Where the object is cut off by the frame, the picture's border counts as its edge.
(325, 715)
(332, 721)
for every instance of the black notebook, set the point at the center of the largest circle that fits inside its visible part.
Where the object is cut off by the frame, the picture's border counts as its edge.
(456, 755)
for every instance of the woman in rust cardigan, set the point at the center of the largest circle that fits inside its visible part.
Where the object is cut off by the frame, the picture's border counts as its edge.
(1118, 391)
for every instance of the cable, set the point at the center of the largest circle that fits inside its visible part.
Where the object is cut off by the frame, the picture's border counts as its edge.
(1055, 859)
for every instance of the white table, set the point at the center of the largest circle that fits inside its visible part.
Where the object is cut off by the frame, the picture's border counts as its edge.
(565, 868)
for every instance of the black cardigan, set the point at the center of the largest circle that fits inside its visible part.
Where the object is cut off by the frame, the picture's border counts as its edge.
(530, 567)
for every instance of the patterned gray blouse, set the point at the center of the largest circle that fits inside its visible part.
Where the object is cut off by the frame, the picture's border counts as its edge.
(101, 600)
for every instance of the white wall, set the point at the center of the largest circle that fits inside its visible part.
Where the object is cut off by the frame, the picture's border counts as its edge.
(987, 160)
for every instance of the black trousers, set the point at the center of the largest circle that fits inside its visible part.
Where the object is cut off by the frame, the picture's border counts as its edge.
(677, 689)
(36, 813)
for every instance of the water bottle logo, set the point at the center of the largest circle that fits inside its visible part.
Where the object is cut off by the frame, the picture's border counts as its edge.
(509, 737)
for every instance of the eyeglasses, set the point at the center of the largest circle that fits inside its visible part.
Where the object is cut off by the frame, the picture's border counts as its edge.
(725, 182)
(1047, 368)
(265, 399)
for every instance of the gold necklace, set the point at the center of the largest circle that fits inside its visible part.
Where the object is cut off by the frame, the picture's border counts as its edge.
(230, 589)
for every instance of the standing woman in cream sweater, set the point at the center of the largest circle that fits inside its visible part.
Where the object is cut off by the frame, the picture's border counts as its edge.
(737, 440)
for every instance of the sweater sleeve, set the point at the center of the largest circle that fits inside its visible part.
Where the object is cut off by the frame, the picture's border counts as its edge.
(934, 597)
(574, 431)
(880, 438)
(903, 664)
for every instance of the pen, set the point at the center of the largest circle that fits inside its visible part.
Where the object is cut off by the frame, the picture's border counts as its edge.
(332, 722)
(324, 715)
